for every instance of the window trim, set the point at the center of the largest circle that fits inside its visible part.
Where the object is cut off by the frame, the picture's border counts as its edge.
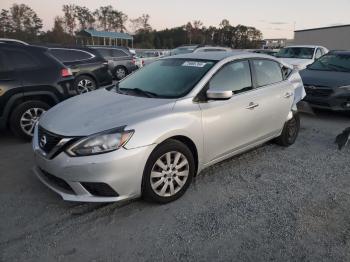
(72, 49)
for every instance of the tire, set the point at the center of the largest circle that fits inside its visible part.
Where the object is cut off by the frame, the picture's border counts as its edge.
(24, 118)
(84, 84)
(120, 72)
(179, 178)
(290, 132)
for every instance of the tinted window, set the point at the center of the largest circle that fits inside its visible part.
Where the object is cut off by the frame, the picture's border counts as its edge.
(332, 62)
(21, 60)
(168, 78)
(214, 50)
(69, 55)
(105, 52)
(118, 53)
(234, 76)
(267, 72)
(3, 67)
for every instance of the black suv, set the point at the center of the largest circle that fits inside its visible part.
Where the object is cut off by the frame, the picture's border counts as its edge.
(89, 68)
(121, 61)
(31, 81)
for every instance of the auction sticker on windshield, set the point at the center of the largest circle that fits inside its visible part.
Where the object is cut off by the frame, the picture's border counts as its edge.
(194, 64)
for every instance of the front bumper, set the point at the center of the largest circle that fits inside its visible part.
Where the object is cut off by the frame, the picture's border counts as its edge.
(335, 101)
(120, 170)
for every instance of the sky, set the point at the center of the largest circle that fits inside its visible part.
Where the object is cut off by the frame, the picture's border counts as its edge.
(276, 19)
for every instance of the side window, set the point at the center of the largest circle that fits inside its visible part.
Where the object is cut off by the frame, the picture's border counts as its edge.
(267, 72)
(233, 76)
(21, 60)
(3, 67)
(105, 52)
(118, 53)
(318, 53)
(69, 55)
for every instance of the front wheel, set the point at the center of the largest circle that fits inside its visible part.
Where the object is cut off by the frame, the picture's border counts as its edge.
(290, 132)
(168, 172)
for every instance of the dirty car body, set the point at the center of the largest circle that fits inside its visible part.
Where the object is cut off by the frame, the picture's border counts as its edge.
(212, 126)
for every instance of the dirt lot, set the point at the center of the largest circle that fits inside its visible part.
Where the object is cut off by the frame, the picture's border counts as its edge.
(270, 204)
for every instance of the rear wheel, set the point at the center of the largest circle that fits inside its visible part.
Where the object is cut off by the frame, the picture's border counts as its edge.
(84, 84)
(120, 72)
(25, 116)
(168, 172)
(290, 132)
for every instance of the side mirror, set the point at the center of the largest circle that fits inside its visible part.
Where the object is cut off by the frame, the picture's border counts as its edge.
(219, 95)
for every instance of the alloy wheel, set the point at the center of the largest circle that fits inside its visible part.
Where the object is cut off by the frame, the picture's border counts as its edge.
(120, 73)
(29, 120)
(85, 85)
(169, 174)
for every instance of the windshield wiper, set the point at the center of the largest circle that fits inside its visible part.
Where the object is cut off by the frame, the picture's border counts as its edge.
(139, 92)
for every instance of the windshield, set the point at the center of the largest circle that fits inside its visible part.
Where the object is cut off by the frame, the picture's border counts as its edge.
(167, 78)
(183, 50)
(296, 52)
(332, 62)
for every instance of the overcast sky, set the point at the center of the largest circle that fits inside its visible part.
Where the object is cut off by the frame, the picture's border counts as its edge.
(274, 18)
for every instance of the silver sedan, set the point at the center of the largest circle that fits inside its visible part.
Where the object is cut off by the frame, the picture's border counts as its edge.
(161, 126)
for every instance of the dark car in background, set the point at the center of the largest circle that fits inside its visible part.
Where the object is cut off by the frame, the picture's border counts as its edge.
(89, 68)
(31, 81)
(120, 60)
(327, 81)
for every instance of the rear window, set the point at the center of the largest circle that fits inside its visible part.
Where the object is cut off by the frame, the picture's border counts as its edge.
(70, 55)
(105, 52)
(118, 53)
(267, 72)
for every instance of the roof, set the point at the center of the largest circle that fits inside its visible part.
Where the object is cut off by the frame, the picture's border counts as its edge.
(322, 28)
(217, 56)
(114, 35)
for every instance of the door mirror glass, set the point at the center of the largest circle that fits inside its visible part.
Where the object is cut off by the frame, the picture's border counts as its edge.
(219, 95)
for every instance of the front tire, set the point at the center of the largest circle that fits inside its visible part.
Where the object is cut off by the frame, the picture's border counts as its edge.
(168, 172)
(25, 116)
(290, 132)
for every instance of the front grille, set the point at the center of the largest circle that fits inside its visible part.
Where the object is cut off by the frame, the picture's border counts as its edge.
(318, 91)
(99, 189)
(57, 181)
(47, 141)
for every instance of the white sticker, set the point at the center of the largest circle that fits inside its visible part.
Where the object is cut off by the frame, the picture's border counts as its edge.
(194, 64)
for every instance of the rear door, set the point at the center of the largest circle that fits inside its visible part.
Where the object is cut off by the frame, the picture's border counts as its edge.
(274, 95)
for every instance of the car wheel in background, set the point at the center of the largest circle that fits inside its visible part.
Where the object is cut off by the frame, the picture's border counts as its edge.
(168, 172)
(84, 84)
(290, 132)
(120, 72)
(25, 116)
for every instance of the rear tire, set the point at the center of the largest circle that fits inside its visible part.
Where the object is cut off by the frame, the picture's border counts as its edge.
(168, 180)
(84, 84)
(120, 72)
(24, 118)
(290, 132)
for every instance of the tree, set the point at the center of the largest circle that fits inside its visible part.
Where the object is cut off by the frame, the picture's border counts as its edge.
(5, 22)
(69, 18)
(85, 17)
(141, 23)
(189, 30)
(110, 19)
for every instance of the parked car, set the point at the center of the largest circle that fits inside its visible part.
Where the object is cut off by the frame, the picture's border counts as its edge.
(327, 81)
(186, 49)
(301, 56)
(89, 68)
(121, 61)
(149, 57)
(31, 81)
(153, 132)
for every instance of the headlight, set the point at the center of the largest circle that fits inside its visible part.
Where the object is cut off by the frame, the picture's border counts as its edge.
(100, 143)
(345, 88)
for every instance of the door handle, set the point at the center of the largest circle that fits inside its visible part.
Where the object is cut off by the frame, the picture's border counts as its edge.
(288, 95)
(252, 105)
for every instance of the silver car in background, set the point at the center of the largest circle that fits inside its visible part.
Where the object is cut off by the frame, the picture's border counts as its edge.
(161, 126)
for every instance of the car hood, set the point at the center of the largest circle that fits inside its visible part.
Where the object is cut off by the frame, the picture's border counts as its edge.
(297, 62)
(324, 78)
(99, 111)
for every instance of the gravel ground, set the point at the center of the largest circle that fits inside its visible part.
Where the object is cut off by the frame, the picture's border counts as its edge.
(270, 204)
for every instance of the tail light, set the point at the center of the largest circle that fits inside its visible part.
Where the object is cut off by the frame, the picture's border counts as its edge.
(133, 61)
(143, 62)
(66, 72)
